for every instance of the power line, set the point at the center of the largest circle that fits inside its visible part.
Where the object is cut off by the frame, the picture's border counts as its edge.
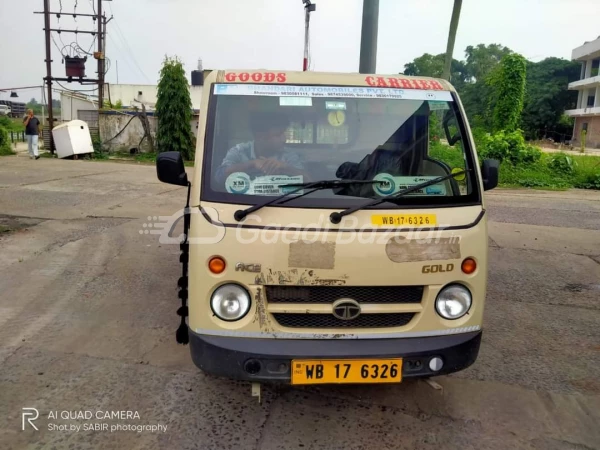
(118, 47)
(126, 46)
(73, 90)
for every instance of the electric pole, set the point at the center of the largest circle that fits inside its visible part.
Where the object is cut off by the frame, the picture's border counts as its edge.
(308, 8)
(368, 40)
(101, 25)
(451, 39)
(48, 73)
(75, 66)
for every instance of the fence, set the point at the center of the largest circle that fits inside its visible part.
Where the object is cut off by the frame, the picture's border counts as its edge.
(17, 136)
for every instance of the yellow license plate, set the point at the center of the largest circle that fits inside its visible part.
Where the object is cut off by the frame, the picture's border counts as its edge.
(347, 371)
(404, 220)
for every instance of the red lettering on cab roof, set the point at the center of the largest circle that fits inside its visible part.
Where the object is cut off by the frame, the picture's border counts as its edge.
(404, 83)
(256, 77)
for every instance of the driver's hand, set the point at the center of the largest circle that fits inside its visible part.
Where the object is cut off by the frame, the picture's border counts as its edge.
(272, 166)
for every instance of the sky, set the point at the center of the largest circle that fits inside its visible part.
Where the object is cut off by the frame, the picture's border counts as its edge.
(269, 34)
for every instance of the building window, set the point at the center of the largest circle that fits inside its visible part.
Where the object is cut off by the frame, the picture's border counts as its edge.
(591, 100)
(595, 66)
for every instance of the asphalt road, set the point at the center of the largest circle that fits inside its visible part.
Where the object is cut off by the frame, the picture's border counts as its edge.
(87, 321)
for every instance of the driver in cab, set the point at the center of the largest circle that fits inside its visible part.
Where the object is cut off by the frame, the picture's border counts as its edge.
(266, 154)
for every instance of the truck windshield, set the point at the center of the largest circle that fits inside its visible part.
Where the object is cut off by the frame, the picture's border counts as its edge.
(261, 138)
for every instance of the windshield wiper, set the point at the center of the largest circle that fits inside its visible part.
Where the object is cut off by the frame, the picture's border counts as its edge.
(336, 217)
(314, 186)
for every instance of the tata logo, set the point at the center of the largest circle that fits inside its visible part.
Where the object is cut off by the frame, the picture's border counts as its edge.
(346, 309)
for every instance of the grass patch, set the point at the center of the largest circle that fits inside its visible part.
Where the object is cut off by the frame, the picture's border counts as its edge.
(147, 158)
(583, 172)
(552, 171)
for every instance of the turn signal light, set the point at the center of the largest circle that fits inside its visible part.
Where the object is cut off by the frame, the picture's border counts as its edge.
(216, 265)
(468, 266)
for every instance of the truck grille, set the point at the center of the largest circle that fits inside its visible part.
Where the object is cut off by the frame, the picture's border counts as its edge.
(329, 294)
(384, 320)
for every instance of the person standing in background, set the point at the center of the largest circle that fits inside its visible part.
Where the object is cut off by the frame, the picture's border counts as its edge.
(32, 131)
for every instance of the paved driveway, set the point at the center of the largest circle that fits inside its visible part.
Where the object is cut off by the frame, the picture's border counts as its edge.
(87, 321)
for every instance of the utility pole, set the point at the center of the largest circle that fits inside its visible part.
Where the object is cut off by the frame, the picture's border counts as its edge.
(48, 73)
(101, 25)
(451, 39)
(368, 40)
(308, 8)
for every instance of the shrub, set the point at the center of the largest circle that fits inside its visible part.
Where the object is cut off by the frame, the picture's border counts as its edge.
(5, 142)
(562, 164)
(99, 152)
(591, 182)
(509, 146)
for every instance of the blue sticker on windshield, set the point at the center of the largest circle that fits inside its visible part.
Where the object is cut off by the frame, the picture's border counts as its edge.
(391, 184)
(237, 183)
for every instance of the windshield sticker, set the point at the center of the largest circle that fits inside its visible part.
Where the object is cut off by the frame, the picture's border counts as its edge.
(295, 101)
(331, 91)
(436, 105)
(335, 105)
(391, 184)
(241, 183)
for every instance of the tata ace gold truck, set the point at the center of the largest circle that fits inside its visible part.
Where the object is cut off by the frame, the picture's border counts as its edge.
(335, 230)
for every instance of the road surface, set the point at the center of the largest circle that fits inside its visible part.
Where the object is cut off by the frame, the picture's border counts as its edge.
(87, 321)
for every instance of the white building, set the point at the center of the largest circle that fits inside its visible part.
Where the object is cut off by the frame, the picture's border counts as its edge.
(132, 95)
(587, 112)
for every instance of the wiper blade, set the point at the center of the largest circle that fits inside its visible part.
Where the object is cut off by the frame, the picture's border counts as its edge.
(336, 217)
(313, 186)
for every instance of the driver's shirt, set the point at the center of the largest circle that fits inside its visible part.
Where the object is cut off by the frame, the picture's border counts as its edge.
(245, 152)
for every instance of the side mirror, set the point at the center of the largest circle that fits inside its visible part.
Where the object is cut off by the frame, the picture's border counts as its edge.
(452, 139)
(489, 172)
(170, 168)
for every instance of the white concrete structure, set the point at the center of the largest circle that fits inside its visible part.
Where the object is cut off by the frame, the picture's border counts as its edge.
(587, 112)
(135, 94)
(76, 106)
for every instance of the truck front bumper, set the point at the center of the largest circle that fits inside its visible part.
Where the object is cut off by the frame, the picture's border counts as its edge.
(258, 359)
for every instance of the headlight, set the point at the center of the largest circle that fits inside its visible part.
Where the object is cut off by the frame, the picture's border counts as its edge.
(230, 302)
(453, 302)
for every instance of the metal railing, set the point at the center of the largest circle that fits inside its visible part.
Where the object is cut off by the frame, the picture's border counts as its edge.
(17, 136)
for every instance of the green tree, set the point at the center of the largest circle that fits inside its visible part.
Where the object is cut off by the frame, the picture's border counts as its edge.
(34, 106)
(174, 110)
(482, 59)
(509, 92)
(548, 96)
(428, 65)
